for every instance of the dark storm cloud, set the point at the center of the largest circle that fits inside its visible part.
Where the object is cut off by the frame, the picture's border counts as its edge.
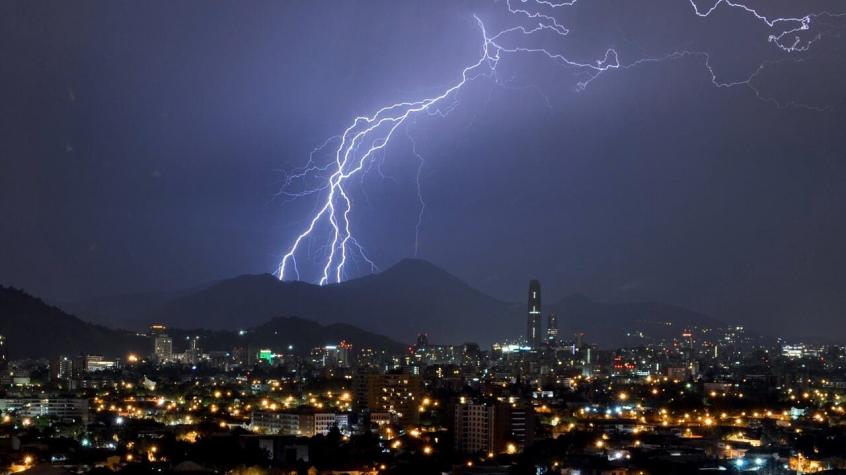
(141, 146)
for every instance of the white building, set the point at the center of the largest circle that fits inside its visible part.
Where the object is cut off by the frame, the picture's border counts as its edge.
(61, 408)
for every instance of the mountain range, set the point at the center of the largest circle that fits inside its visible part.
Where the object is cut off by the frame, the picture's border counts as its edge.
(35, 329)
(412, 297)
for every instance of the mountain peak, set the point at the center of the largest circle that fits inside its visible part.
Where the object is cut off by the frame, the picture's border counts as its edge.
(412, 264)
(411, 272)
(410, 297)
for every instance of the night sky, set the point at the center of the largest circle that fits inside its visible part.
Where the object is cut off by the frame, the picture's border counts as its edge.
(143, 146)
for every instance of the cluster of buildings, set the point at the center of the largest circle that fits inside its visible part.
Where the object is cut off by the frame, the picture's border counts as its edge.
(712, 399)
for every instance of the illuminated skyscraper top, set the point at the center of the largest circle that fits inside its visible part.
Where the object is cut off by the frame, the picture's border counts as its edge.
(533, 332)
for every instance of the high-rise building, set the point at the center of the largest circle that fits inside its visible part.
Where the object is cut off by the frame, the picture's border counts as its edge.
(193, 354)
(688, 343)
(163, 348)
(4, 358)
(474, 427)
(492, 426)
(552, 329)
(61, 368)
(162, 344)
(396, 393)
(533, 331)
(344, 354)
(514, 426)
(580, 338)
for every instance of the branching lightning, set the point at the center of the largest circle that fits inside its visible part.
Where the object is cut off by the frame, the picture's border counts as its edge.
(420, 200)
(367, 135)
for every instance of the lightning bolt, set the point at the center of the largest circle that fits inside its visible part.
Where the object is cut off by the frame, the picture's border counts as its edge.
(802, 23)
(420, 201)
(367, 135)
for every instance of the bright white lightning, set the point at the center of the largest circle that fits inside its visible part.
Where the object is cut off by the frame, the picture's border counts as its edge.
(370, 134)
(384, 121)
(802, 23)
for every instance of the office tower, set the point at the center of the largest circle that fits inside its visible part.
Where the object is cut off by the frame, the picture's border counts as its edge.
(344, 354)
(552, 329)
(163, 348)
(162, 344)
(533, 331)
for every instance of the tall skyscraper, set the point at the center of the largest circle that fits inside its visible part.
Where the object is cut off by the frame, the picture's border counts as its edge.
(533, 331)
(3, 357)
(552, 329)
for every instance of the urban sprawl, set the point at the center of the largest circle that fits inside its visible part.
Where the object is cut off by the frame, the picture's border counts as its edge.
(707, 399)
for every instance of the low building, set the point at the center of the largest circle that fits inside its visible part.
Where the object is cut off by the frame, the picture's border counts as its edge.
(299, 423)
(60, 408)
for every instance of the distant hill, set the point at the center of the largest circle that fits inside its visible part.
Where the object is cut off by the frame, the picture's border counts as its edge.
(34, 329)
(283, 332)
(624, 324)
(411, 297)
(308, 334)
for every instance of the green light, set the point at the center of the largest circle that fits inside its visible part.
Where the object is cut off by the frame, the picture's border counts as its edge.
(266, 355)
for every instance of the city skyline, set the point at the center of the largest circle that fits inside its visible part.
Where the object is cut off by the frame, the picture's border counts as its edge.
(581, 312)
(716, 398)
